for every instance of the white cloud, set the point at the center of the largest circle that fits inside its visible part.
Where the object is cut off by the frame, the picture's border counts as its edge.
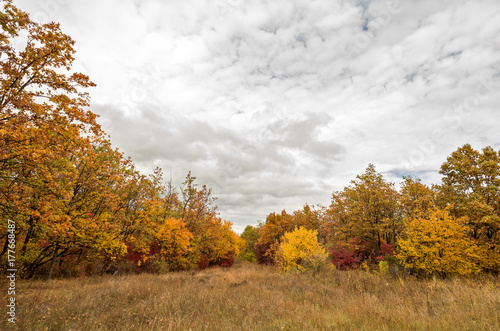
(278, 103)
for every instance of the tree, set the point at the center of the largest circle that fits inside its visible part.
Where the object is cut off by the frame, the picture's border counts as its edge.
(276, 225)
(79, 211)
(174, 240)
(44, 123)
(297, 247)
(250, 235)
(366, 210)
(217, 244)
(416, 197)
(197, 205)
(270, 232)
(437, 243)
(471, 186)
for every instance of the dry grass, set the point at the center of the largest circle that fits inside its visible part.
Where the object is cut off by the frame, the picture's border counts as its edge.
(253, 297)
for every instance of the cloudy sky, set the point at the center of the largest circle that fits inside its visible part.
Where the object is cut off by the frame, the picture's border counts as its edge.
(277, 103)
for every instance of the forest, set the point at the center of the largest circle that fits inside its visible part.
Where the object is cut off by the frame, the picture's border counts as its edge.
(72, 205)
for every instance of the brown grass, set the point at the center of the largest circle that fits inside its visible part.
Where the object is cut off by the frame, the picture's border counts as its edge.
(253, 297)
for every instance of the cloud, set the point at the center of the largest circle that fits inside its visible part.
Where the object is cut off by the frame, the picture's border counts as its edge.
(278, 103)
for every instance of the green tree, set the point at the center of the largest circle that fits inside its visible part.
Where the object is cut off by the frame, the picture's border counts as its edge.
(250, 235)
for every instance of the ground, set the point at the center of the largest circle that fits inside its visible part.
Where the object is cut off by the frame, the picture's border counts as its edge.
(255, 297)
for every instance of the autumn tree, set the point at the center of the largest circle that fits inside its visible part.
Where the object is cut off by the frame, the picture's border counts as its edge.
(82, 217)
(277, 224)
(435, 242)
(471, 186)
(197, 204)
(44, 121)
(174, 241)
(216, 244)
(366, 211)
(299, 247)
(416, 197)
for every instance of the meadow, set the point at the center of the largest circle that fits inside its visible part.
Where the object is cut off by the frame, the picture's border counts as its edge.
(255, 297)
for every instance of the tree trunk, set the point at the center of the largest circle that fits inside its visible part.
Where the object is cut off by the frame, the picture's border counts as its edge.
(53, 263)
(28, 236)
(5, 246)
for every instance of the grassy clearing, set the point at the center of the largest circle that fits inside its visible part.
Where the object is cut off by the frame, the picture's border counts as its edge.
(254, 297)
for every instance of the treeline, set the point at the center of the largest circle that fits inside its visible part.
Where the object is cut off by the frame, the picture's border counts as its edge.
(443, 229)
(71, 204)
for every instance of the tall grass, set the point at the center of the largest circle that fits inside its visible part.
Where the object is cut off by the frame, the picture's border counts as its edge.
(254, 297)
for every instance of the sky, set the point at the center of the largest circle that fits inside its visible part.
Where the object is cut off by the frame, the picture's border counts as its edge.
(274, 104)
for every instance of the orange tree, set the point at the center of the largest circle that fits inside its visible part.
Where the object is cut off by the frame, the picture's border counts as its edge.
(364, 214)
(216, 244)
(44, 121)
(71, 194)
(416, 197)
(174, 241)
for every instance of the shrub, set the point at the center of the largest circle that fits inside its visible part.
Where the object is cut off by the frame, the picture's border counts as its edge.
(317, 263)
(383, 268)
(343, 258)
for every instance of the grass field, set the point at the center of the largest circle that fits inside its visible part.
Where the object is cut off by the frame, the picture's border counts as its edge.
(254, 297)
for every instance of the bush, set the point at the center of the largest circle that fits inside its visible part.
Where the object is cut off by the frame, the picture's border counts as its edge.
(343, 258)
(317, 263)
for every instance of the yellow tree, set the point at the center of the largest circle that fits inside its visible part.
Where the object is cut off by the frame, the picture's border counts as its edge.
(297, 247)
(82, 216)
(437, 243)
(197, 206)
(471, 186)
(276, 225)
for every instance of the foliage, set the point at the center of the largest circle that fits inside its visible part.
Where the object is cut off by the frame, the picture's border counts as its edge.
(383, 268)
(217, 244)
(471, 186)
(416, 197)
(437, 243)
(297, 249)
(317, 263)
(351, 254)
(250, 235)
(343, 258)
(174, 239)
(276, 225)
(74, 199)
(368, 209)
